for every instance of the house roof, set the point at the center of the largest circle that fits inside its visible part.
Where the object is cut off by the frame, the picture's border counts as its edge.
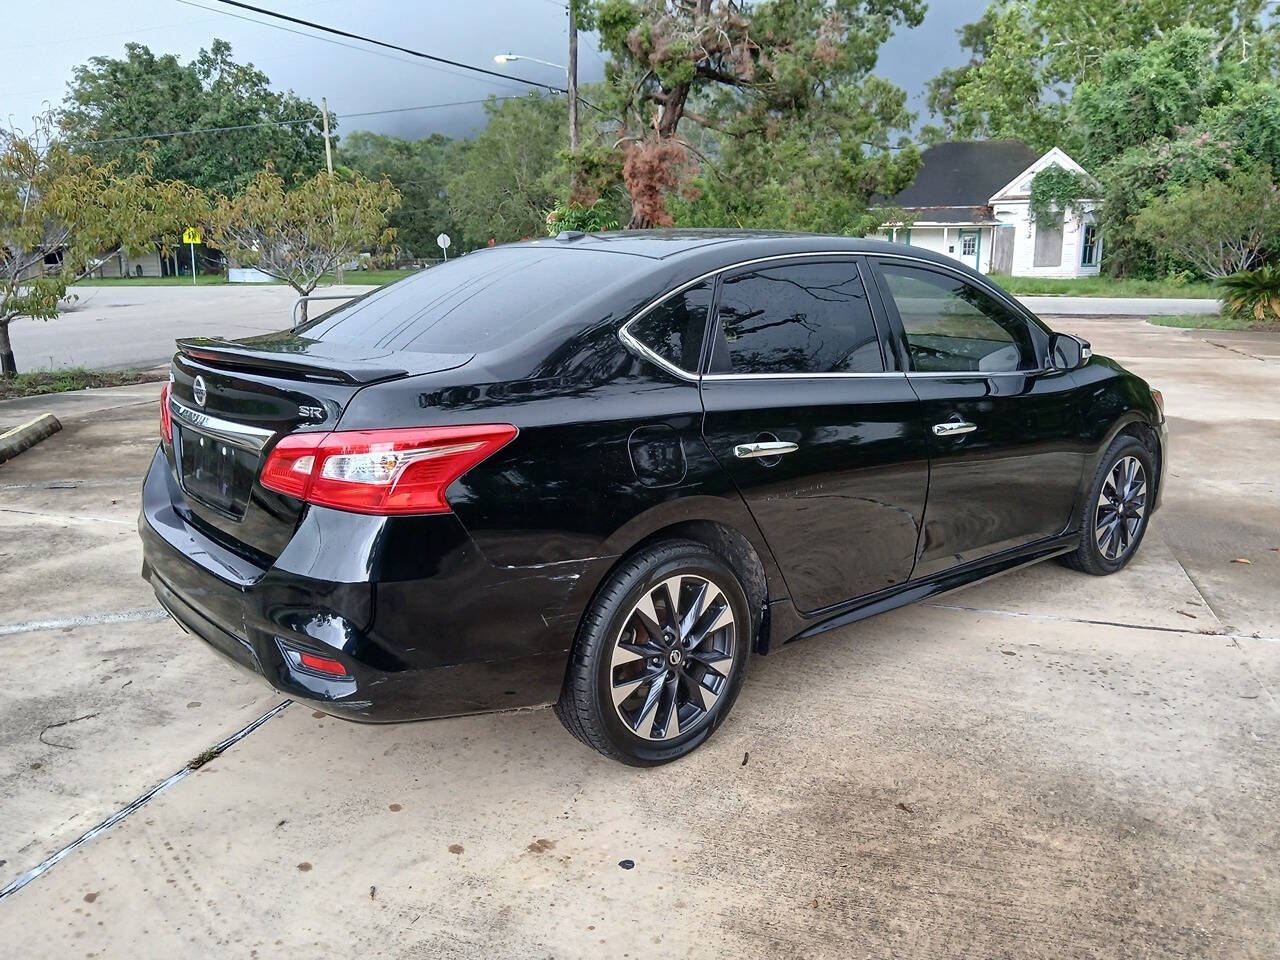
(965, 174)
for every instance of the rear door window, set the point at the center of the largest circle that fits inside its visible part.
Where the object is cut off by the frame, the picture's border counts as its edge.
(797, 318)
(675, 328)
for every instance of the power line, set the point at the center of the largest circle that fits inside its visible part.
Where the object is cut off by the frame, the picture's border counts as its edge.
(425, 106)
(188, 133)
(389, 46)
(312, 36)
(287, 123)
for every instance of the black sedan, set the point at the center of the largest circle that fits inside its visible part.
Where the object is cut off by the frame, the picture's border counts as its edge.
(602, 470)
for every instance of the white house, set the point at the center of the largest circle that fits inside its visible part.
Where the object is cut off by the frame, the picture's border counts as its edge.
(970, 201)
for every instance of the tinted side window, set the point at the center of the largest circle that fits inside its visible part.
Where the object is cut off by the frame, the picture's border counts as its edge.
(798, 318)
(674, 328)
(953, 326)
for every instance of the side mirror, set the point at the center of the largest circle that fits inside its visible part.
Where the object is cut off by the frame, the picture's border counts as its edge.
(1068, 352)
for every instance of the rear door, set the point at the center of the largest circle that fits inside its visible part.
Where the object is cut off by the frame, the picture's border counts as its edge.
(1004, 431)
(818, 428)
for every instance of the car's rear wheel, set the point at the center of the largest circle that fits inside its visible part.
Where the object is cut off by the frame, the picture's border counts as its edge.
(1116, 511)
(660, 655)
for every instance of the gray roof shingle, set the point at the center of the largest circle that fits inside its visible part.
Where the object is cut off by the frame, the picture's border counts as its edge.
(965, 174)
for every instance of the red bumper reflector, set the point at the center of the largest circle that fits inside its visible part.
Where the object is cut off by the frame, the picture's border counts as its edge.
(322, 664)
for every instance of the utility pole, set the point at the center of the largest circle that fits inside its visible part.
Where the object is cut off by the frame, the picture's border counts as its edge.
(328, 162)
(328, 150)
(571, 72)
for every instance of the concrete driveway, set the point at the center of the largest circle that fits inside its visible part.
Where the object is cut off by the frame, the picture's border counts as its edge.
(1046, 765)
(112, 327)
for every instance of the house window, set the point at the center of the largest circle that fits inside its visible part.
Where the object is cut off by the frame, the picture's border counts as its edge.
(969, 245)
(1089, 246)
(1048, 249)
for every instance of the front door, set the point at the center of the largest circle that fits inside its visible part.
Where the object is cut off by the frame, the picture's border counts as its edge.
(1006, 458)
(971, 248)
(823, 439)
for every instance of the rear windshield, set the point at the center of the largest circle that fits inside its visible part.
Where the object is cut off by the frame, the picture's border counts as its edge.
(473, 303)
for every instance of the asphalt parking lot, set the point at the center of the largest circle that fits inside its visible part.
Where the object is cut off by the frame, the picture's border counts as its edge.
(1045, 765)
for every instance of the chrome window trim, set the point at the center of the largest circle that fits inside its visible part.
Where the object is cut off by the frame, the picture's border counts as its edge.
(875, 375)
(631, 341)
(237, 434)
(978, 374)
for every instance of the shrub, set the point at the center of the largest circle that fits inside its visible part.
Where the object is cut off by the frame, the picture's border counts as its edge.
(1254, 293)
(1220, 227)
(574, 216)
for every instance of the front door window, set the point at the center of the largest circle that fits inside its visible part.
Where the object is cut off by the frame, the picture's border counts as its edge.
(952, 326)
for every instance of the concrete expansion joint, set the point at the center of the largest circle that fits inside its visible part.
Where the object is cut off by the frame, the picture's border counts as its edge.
(67, 517)
(190, 767)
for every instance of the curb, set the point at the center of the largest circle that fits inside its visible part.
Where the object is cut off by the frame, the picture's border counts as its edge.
(14, 441)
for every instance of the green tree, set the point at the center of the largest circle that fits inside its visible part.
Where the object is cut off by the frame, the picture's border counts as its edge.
(512, 172)
(1219, 227)
(1028, 55)
(113, 102)
(420, 170)
(63, 215)
(1165, 118)
(786, 82)
(298, 234)
(1144, 93)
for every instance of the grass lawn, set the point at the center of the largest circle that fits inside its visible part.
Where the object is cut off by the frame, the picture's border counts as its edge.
(1104, 287)
(58, 381)
(204, 280)
(368, 277)
(1213, 321)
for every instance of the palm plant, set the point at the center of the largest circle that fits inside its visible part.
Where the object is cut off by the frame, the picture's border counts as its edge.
(1253, 293)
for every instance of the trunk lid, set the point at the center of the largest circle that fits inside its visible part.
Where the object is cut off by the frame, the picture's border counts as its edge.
(232, 400)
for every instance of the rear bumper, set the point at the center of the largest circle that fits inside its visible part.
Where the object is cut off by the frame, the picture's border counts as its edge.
(424, 625)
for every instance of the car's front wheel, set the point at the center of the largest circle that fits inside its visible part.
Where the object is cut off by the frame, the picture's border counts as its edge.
(1117, 508)
(660, 655)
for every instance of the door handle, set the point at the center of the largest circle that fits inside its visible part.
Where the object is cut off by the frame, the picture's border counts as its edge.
(953, 428)
(775, 448)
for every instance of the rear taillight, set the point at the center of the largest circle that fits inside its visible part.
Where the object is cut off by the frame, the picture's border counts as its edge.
(166, 418)
(398, 471)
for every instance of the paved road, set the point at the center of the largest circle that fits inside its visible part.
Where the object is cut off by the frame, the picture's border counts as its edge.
(112, 327)
(1046, 766)
(135, 326)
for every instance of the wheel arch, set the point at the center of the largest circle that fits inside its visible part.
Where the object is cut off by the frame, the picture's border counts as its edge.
(1133, 422)
(731, 534)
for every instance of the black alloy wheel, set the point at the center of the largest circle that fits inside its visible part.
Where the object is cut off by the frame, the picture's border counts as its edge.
(660, 655)
(1117, 508)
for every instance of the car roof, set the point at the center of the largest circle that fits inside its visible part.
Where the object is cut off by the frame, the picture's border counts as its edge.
(728, 246)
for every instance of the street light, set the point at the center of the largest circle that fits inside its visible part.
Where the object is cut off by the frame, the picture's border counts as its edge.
(570, 77)
(513, 57)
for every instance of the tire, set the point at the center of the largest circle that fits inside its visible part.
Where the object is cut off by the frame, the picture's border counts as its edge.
(696, 666)
(1104, 550)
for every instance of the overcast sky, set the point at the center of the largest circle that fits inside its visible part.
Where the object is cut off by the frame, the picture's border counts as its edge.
(46, 39)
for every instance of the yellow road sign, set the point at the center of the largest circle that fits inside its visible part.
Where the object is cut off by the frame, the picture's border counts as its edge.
(191, 235)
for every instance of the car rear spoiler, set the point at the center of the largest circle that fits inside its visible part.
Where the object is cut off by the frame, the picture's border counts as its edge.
(294, 359)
